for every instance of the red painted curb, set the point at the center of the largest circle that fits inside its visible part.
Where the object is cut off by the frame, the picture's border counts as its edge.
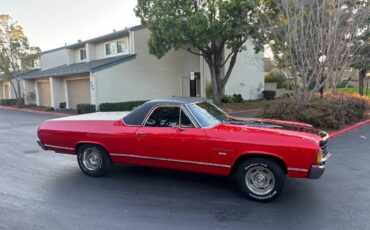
(347, 129)
(243, 111)
(36, 111)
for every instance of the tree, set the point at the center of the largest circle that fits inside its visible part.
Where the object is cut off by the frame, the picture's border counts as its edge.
(313, 39)
(361, 56)
(209, 26)
(16, 54)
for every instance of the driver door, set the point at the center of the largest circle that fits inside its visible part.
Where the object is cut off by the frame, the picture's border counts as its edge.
(172, 140)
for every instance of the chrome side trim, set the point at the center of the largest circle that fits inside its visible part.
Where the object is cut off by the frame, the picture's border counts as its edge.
(298, 169)
(167, 159)
(58, 147)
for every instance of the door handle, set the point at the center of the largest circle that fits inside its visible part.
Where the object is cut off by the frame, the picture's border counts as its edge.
(140, 133)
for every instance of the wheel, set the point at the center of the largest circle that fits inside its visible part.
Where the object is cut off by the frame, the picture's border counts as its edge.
(261, 179)
(93, 160)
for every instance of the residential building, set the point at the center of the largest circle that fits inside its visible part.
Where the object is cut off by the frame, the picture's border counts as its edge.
(117, 67)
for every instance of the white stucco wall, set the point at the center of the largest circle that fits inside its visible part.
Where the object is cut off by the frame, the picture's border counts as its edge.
(53, 59)
(247, 76)
(144, 77)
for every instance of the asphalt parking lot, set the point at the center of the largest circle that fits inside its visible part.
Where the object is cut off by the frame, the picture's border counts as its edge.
(43, 190)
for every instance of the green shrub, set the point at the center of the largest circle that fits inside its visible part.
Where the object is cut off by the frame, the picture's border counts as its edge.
(275, 76)
(48, 109)
(227, 99)
(62, 105)
(333, 111)
(238, 98)
(8, 102)
(120, 106)
(269, 94)
(85, 108)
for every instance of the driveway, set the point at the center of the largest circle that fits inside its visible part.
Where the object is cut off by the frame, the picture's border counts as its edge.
(43, 190)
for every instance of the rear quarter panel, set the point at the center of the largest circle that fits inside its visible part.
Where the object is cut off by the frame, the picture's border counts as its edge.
(63, 136)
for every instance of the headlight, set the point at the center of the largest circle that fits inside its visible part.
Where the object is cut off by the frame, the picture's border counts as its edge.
(319, 156)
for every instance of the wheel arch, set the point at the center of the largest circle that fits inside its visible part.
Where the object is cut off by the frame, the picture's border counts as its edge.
(79, 144)
(246, 156)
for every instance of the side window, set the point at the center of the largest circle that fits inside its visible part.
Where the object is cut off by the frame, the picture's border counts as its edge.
(164, 117)
(185, 121)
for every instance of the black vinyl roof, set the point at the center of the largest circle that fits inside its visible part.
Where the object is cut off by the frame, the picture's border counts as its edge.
(136, 118)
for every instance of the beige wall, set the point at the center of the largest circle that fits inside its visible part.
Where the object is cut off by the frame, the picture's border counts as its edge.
(29, 87)
(144, 77)
(53, 59)
(58, 91)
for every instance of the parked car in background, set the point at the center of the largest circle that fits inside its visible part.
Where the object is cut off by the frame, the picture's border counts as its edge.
(192, 134)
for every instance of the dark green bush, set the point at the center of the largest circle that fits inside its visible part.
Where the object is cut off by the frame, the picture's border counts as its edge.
(8, 102)
(269, 94)
(62, 105)
(227, 99)
(85, 108)
(275, 76)
(120, 106)
(333, 111)
(238, 98)
(235, 98)
(48, 109)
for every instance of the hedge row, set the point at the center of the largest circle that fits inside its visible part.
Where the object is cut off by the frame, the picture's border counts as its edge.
(85, 108)
(120, 106)
(10, 102)
(333, 111)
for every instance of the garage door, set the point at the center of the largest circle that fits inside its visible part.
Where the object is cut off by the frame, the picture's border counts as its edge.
(78, 92)
(44, 93)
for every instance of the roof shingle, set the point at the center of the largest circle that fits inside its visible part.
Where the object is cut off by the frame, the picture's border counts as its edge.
(78, 68)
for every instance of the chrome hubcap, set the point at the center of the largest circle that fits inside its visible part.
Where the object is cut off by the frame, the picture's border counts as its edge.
(260, 180)
(91, 158)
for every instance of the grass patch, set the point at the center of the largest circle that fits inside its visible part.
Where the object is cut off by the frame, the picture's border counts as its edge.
(352, 91)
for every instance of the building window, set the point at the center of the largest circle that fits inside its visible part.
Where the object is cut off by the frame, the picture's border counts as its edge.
(82, 54)
(116, 47)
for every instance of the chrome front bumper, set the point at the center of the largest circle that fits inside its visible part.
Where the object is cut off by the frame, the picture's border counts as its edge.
(317, 170)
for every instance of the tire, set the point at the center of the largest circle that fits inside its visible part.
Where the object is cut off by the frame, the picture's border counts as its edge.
(261, 179)
(93, 160)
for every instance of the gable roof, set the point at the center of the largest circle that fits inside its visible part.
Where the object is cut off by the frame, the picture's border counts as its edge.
(79, 68)
(106, 37)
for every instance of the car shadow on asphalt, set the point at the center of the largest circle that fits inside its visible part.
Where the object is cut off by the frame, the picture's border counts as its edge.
(139, 183)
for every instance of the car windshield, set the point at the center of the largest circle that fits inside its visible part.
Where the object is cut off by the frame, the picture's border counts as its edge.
(207, 114)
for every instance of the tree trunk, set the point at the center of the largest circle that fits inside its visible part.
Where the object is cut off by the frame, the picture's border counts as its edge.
(217, 87)
(361, 81)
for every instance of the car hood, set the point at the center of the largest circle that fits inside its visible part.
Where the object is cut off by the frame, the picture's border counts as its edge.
(287, 127)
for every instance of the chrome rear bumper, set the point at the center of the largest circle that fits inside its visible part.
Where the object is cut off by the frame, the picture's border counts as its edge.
(41, 145)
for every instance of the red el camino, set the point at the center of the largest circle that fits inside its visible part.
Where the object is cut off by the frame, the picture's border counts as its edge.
(194, 135)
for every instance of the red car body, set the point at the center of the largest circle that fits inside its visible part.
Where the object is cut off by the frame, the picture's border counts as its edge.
(214, 150)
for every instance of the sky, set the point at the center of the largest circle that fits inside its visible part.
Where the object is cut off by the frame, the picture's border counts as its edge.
(50, 24)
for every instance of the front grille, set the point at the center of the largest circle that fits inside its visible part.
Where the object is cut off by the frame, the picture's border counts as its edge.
(324, 145)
